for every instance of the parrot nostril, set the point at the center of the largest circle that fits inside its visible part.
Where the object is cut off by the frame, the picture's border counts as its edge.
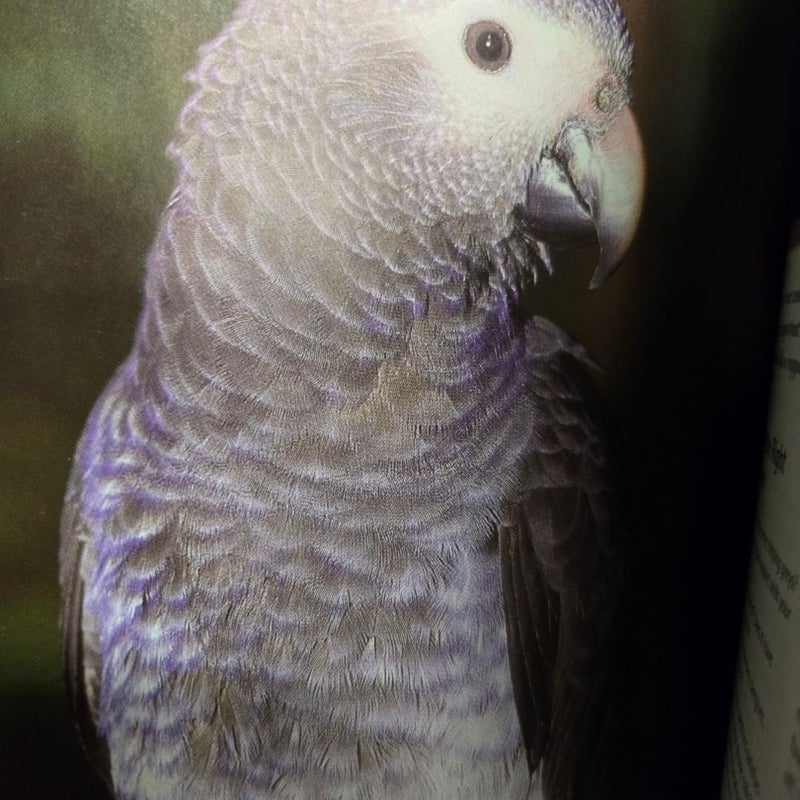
(604, 98)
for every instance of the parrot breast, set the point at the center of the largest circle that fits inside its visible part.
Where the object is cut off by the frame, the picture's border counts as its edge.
(328, 564)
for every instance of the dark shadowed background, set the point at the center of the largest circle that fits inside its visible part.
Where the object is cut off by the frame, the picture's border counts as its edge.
(684, 331)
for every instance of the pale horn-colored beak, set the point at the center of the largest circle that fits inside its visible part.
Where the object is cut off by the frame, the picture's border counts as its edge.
(590, 188)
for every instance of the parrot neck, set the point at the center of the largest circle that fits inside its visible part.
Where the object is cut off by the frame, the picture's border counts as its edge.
(275, 334)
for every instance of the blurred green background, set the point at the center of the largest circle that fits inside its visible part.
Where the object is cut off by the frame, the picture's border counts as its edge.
(88, 97)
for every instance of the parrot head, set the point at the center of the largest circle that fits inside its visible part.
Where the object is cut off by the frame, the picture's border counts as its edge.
(447, 139)
(535, 97)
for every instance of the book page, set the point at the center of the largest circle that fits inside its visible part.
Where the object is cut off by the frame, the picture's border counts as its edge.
(763, 758)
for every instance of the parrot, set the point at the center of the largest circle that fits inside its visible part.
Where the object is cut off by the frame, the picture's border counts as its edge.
(342, 525)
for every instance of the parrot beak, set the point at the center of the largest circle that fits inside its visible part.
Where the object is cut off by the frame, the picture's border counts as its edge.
(589, 189)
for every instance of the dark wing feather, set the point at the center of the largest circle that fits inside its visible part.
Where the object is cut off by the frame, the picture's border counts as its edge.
(82, 659)
(560, 556)
(531, 641)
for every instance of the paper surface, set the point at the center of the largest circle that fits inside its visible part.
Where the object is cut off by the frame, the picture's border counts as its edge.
(763, 758)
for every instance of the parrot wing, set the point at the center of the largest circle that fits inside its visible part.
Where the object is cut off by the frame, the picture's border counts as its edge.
(560, 563)
(82, 656)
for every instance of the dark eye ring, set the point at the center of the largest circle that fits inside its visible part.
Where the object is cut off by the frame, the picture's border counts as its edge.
(488, 45)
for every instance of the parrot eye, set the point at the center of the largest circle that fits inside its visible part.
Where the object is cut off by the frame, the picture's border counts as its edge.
(488, 45)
